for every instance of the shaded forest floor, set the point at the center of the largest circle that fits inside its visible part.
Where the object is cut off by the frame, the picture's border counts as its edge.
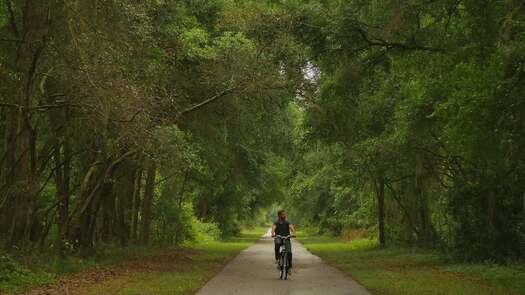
(168, 271)
(395, 271)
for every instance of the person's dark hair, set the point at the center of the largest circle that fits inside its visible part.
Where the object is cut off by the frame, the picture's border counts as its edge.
(279, 212)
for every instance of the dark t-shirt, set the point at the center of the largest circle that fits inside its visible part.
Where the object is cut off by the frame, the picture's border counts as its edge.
(282, 228)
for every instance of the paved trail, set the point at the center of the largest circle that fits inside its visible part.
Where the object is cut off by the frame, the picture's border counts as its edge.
(253, 272)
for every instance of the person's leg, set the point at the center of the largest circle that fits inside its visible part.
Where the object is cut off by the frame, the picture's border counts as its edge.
(276, 251)
(289, 249)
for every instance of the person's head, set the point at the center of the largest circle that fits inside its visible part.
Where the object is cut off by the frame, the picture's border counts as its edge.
(281, 214)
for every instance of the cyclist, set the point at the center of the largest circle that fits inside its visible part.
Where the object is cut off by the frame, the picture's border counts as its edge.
(283, 227)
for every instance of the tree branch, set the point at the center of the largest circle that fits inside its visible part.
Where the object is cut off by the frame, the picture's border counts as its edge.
(43, 107)
(8, 40)
(403, 208)
(205, 102)
(390, 45)
(128, 120)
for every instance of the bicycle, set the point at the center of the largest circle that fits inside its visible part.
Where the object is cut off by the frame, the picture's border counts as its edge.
(283, 257)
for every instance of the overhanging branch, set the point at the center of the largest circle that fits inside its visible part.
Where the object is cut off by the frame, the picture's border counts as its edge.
(376, 42)
(205, 102)
(44, 107)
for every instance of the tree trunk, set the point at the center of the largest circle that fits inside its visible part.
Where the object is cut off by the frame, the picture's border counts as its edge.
(523, 200)
(135, 205)
(63, 206)
(108, 215)
(89, 236)
(183, 188)
(123, 201)
(58, 121)
(148, 202)
(426, 232)
(62, 197)
(491, 209)
(79, 219)
(380, 194)
(96, 186)
(20, 138)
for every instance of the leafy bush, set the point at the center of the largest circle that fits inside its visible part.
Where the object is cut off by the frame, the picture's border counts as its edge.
(476, 236)
(207, 231)
(14, 277)
(173, 224)
(9, 267)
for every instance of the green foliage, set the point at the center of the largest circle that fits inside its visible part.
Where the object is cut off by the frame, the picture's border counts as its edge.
(195, 44)
(207, 231)
(502, 239)
(3, 15)
(173, 223)
(421, 101)
(325, 107)
(14, 277)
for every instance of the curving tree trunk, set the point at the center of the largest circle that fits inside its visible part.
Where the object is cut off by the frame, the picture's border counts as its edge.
(135, 204)
(148, 202)
(20, 138)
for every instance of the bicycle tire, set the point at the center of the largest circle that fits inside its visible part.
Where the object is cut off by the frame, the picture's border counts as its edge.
(281, 267)
(285, 266)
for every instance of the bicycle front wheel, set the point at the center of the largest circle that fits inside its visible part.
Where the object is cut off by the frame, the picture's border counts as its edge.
(281, 267)
(285, 266)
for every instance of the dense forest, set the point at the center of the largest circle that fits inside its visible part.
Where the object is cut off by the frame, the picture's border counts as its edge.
(139, 122)
(416, 126)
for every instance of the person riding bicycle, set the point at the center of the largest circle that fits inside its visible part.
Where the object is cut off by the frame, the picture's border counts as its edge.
(283, 227)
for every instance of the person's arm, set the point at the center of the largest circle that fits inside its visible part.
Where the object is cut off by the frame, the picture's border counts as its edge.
(292, 229)
(273, 230)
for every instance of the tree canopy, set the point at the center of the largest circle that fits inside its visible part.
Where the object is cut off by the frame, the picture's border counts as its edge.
(126, 122)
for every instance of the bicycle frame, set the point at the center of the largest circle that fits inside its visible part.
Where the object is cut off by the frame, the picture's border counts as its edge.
(283, 257)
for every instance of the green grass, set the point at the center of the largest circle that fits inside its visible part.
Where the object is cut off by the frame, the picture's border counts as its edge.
(406, 271)
(32, 269)
(199, 263)
(136, 270)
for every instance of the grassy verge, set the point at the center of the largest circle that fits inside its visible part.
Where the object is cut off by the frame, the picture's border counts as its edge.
(132, 270)
(183, 275)
(394, 271)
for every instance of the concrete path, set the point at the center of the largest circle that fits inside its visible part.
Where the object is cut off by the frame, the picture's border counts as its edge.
(253, 272)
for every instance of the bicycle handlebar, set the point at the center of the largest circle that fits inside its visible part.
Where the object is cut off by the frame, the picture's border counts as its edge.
(283, 237)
